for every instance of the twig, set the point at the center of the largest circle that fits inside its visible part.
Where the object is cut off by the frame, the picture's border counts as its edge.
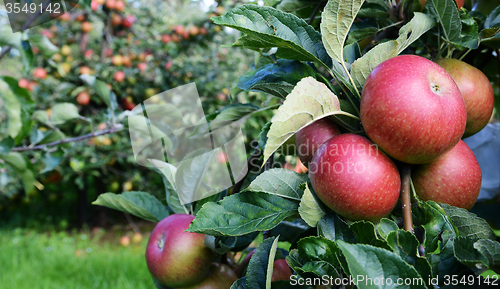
(131, 223)
(406, 198)
(311, 19)
(112, 129)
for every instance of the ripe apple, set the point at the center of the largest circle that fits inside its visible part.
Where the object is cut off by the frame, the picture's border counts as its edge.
(128, 103)
(203, 31)
(193, 30)
(117, 60)
(220, 276)
(142, 66)
(310, 138)
(40, 73)
(168, 65)
(185, 35)
(119, 76)
(116, 20)
(94, 5)
(354, 178)
(83, 98)
(47, 33)
(23, 83)
(476, 90)
(281, 271)
(175, 38)
(119, 5)
(165, 38)
(126, 61)
(454, 178)
(85, 70)
(412, 109)
(179, 29)
(111, 4)
(128, 21)
(88, 53)
(86, 26)
(177, 258)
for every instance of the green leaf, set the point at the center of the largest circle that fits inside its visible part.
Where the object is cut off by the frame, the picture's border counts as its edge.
(101, 89)
(315, 255)
(289, 231)
(63, 112)
(140, 204)
(445, 12)
(6, 145)
(47, 49)
(405, 245)
(361, 30)
(493, 19)
(435, 221)
(273, 28)
(280, 182)
(241, 214)
(468, 224)
(491, 251)
(167, 172)
(376, 263)
(469, 36)
(334, 228)
(23, 169)
(309, 101)
(51, 160)
(410, 32)
(221, 245)
(260, 267)
(468, 255)
(309, 209)
(232, 113)
(277, 78)
(443, 262)
(386, 226)
(240, 283)
(364, 232)
(336, 21)
(263, 136)
(13, 107)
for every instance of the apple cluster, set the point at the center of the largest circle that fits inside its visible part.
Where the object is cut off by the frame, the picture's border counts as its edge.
(414, 112)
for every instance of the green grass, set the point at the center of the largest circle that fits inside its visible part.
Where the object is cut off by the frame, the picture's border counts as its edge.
(74, 261)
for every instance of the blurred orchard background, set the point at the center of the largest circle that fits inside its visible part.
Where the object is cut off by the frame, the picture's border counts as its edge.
(51, 236)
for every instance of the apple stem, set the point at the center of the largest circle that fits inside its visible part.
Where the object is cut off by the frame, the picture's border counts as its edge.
(406, 198)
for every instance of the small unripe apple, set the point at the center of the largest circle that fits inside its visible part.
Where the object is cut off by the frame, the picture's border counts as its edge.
(454, 178)
(83, 98)
(137, 238)
(66, 67)
(57, 57)
(125, 241)
(119, 76)
(310, 138)
(281, 271)
(220, 276)
(354, 178)
(86, 26)
(412, 109)
(177, 258)
(476, 90)
(65, 50)
(40, 73)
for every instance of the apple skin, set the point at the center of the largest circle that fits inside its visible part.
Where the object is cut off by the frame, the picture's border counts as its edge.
(221, 276)
(354, 178)
(476, 90)
(412, 109)
(454, 178)
(281, 271)
(177, 258)
(310, 138)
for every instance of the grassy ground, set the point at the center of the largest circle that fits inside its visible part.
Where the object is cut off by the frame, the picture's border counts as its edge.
(74, 261)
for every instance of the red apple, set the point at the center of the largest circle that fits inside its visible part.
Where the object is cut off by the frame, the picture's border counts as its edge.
(476, 90)
(165, 38)
(354, 178)
(119, 76)
(168, 65)
(179, 29)
(23, 83)
(65, 17)
(220, 276)
(310, 138)
(111, 4)
(142, 66)
(40, 73)
(281, 271)
(83, 98)
(128, 21)
(116, 19)
(119, 5)
(85, 70)
(88, 53)
(454, 178)
(94, 5)
(128, 103)
(412, 109)
(177, 258)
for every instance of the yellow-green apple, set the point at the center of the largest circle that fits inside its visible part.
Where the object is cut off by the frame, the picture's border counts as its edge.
(476, 90)
(454, 178)
(220, 276)
(177, 258)
(117, 60)
(412, 109)
(310, 138)
(65, 50)
(354, 178)
(281, 271)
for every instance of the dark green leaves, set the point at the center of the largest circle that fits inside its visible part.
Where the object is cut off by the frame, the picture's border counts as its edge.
(267, 27)
(445, 12)
(142, 205)
(242, 213)
(468, 224)
(315, 255)
(259, 269)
